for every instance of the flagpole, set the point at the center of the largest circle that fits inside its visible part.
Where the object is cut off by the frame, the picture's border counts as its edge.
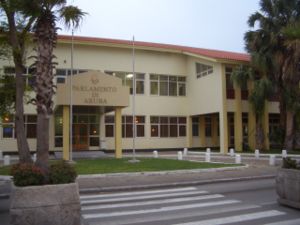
(71, 100)
(134, 160)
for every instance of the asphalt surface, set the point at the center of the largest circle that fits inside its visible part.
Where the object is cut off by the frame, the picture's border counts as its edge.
(254, 169)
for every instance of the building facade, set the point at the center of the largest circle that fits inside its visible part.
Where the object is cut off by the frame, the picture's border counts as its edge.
(184, 98)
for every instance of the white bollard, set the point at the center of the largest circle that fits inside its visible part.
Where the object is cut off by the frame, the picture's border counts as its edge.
(185, 151)
(155, 154)
(207, 157)
(6, 160)
(179, 155)
(256, 153)
(208, 150)
(231, 151)
(284, 153)
(238, 159)
(1, 155)
(34, 157)
(272, 160)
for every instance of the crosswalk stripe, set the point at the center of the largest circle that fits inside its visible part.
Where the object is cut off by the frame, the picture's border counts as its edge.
(235, 219)
(131, 198)
(138, 193)
(160, 209)
(162, 201)
(286, 222)
(167, 217)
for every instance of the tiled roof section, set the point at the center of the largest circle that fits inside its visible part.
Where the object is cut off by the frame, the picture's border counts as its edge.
(216, 54)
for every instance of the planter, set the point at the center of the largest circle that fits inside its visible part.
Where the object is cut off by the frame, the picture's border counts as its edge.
(288, 187)
(47, 205)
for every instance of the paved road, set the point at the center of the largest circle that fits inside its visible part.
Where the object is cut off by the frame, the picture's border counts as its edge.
(250, 202)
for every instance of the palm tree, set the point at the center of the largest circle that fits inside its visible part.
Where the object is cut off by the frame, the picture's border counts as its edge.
(15, 28)
(268, 49)
(291, 77)
(48, 13)
(257, 97)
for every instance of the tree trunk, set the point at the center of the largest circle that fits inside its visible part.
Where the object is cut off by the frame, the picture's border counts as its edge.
(42, 141)
(45, 37)
(22, 143)
(259, 133)
(289, 136)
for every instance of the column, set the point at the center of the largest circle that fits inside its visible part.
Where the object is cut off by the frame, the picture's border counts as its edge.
(223, 117)
(265, 123)
(202, 131)
(215, 130)
(238, 126)
(251, 121)
(189, 135)
(66, 132)
(118, 132)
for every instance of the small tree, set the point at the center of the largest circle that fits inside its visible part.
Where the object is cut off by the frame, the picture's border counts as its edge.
(15, 27)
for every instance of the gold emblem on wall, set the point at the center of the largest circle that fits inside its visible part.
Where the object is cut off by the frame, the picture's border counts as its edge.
(94, 79)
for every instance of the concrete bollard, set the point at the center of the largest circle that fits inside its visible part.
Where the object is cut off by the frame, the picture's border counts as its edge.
(231, 151)
(238, 159)
(6, 160)
(34, 157)
(284, 153)
(272, 160)
(208, 150)
(256, 153)
(179, 155)
(155, 154)
(207, 157)
(185, 151)
(1, 155)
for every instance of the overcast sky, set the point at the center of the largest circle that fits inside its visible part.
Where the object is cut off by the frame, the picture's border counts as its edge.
(213, 24)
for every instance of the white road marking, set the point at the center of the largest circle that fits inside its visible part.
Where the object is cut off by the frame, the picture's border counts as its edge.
(235, 219)
(138, 193)
(286, 222)
(166, 217)
(131, 198)
(161, 209)
(163, 201)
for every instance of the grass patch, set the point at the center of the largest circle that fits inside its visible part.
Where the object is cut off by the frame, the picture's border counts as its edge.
(111, 165)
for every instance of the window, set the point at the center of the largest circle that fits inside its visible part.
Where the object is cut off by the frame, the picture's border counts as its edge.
(58, 131)
(195, 126)
(164, 126)
(203, 70)
(62, 73)
(127, 80)
(28, 74)
(127, 126)
(208, 123)
(8, 126)
(165, 85)
(109, 126)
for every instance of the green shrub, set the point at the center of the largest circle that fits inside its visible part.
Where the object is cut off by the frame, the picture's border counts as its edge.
(26, 174)
(289, 163)
(62, 173)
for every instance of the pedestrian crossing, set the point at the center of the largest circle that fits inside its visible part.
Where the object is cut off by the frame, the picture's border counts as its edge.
(179, 206)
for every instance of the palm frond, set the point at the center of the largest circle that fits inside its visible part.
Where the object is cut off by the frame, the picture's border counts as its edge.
(71, 16)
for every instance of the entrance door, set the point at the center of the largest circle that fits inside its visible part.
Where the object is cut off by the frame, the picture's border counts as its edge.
(80, 137)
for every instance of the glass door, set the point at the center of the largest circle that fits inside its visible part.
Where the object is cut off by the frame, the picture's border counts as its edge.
(80, 137)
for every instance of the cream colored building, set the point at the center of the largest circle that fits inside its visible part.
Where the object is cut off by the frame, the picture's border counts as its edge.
(184, 98)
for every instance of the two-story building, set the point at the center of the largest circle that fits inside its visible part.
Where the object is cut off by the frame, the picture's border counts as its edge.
(184, 98)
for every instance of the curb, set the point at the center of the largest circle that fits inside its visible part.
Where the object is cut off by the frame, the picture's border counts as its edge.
(176, 184)
(163, 172)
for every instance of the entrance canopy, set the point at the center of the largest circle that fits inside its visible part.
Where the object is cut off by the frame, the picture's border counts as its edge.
(93, 88)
